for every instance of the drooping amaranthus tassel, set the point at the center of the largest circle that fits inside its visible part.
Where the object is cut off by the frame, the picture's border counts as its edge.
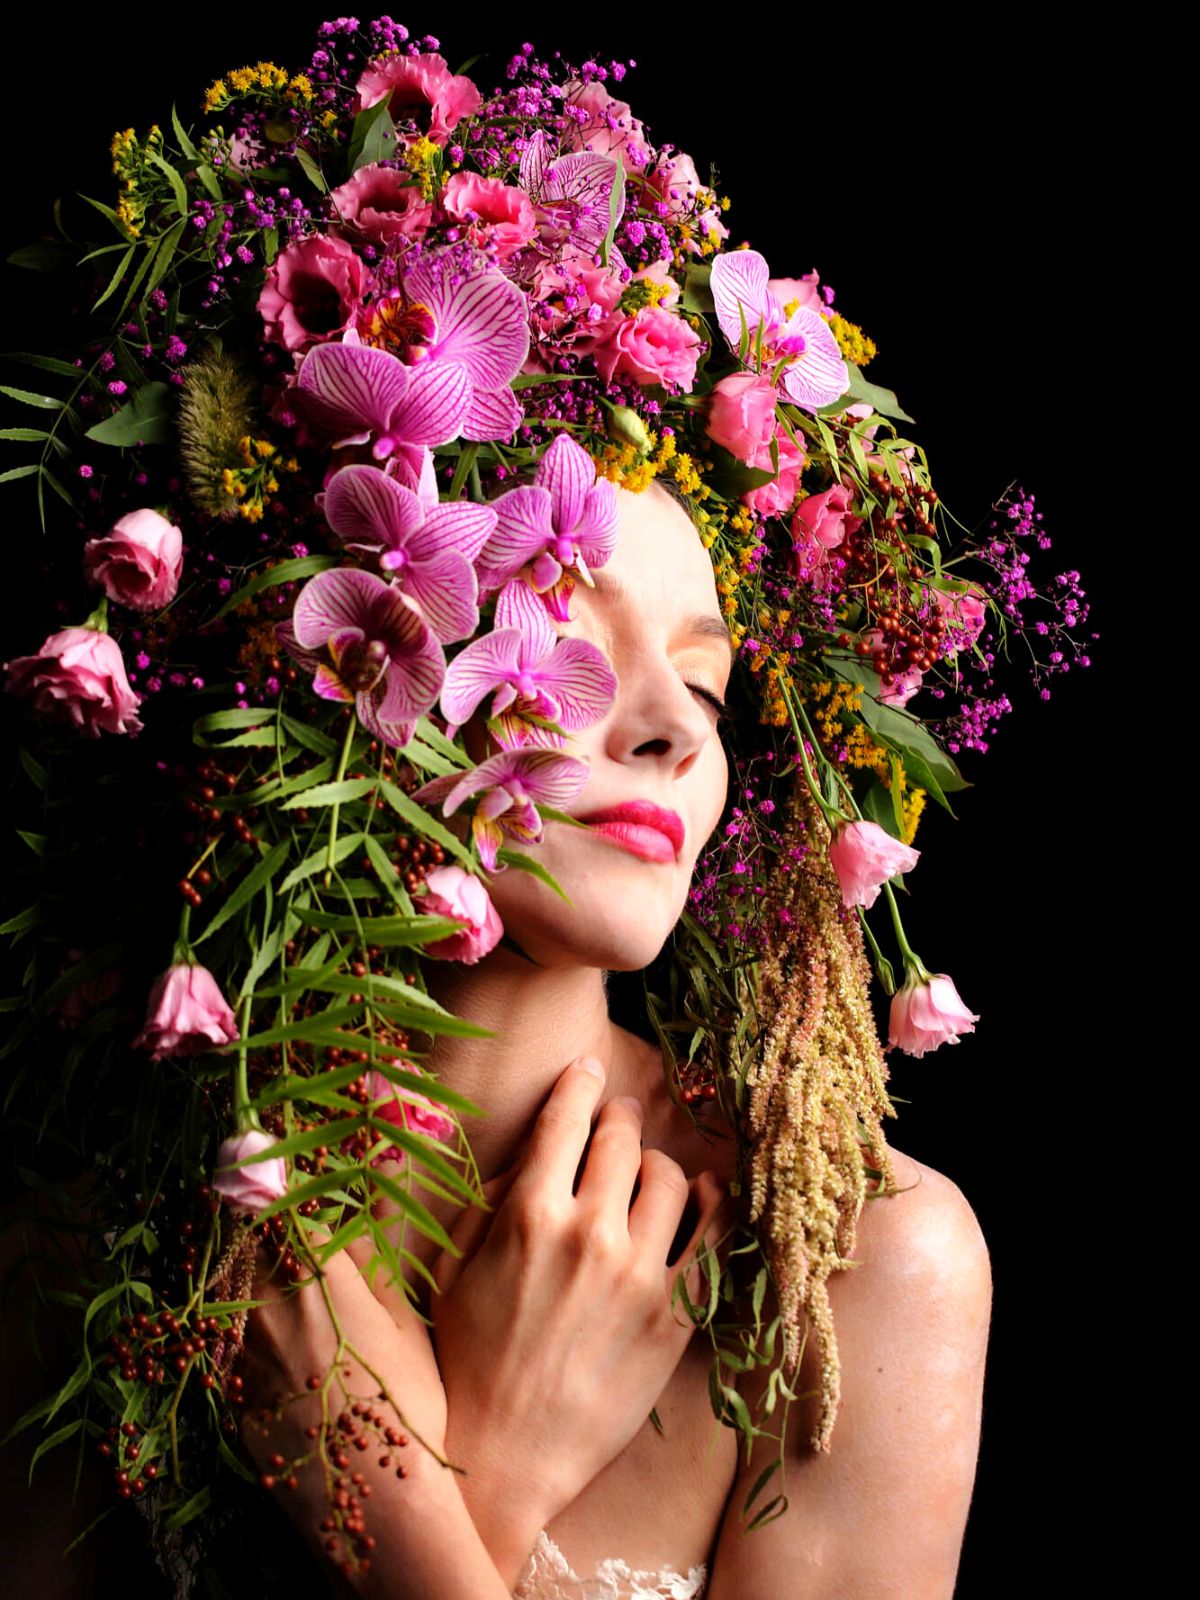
(815, 1100)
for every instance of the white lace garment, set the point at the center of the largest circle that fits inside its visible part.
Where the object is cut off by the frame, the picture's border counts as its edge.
(548, 1576)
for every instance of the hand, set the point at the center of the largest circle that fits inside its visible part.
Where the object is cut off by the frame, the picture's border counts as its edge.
(555, 1331)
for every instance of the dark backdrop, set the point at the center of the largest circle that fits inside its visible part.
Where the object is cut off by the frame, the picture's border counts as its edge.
(959, 196)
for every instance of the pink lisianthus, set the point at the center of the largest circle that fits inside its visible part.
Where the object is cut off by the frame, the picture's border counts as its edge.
(655, 346)
(826, 517)
(602, 124)
(312, 292)
(419, 89)
(926, 1014)
(139, 563)
(503, 210)
(186, 1014)
(741, 416)
(451, 892)
(79, 677)
(865, 856)
(775, 499)
(383, 203)
(251, 1188)
(803, 293)
(677, 182)
(412, 1111)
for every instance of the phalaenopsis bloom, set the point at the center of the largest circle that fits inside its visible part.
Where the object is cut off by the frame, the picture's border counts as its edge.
(508, 786)
(814, 373)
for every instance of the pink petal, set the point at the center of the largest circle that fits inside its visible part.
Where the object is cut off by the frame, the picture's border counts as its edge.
(445, 588)
(567, 472)
(434, 404)
(340, 598)
(582, 682)
(740, 276)
(367, 506)
(479, 669)
(463, 526)
(488, 839)
(523, 527)
(818, 377)
(394, 734)
(346, 387)
(544, 576)
(517, 606)
(600, 524)
(493, 414)
(482, 322)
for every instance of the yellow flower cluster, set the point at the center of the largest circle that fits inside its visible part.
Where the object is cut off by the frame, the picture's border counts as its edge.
(854, 344)
(129, 164)
(419, 158)
(835, 711)
(265, 78)
(257, 478)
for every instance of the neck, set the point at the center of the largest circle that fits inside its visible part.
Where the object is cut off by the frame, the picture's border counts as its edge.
(542, 1019)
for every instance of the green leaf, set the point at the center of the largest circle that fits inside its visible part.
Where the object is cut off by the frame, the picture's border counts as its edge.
(320, 859)
(372, 138)
(330, 1183)
(863, 392)
(164, 256)
(421, 821)
(24, 435)
(185, 144)
(924, 761)
(524, 863)
(35, 841)
(107, 211)
(250, 885)
(331, 794)
(878, 806)
(697, 290)
(437, 740)
(40, 255)
(190, 1509)
(311, 170)
(46, 363)
(616, 200)
(422, 1219)
(330, 1133)
(29, 918)
(67, 1431)
(282, 572)
(385, 871)
(178, 187)
(19, 472)
(209, 181)
(33, 769)
(60, 490)
(324, 1022)
(115, 280)
(145, 418)
(392, 931)
(44, 401)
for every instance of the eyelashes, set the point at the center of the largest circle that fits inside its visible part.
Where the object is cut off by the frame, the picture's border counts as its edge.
(713, 700)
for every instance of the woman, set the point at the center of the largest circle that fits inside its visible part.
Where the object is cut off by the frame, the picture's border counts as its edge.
(553, 1336)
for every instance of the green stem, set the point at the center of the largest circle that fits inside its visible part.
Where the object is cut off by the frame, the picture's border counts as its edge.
(343, 762)
(912, 960)
(247, 1116)
(795, 712)
(882, 965)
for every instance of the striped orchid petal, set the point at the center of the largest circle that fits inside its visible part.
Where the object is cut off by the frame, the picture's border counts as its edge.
(481, 321)
(492, 414)
(444, 588)
(366, 507)
(477, 671)
(349, 389)
(433, 406)
(567, 472)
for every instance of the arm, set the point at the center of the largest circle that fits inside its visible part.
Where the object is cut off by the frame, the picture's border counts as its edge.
(881, 1516)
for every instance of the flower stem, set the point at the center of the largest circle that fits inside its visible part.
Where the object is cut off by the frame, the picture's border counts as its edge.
(912, 960)
(247, 1116)
(796, 713)
(343, 763)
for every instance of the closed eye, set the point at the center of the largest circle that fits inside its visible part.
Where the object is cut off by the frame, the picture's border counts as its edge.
(713, 700)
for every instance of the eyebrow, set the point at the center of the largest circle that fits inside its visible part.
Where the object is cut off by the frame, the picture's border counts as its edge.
(704, 624)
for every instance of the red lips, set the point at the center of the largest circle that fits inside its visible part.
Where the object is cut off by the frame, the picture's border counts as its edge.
(641, 827)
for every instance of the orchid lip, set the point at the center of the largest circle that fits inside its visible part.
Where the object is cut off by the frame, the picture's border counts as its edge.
(643, 814)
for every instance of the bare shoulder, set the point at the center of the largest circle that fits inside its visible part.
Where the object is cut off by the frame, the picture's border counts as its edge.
(884, 1511)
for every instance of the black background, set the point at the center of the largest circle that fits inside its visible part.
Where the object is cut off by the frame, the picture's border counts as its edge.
(959, 196)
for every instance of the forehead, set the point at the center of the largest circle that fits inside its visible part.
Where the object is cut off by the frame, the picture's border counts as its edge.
(659, 561)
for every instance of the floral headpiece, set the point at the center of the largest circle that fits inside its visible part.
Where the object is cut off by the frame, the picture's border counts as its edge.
(367, 354)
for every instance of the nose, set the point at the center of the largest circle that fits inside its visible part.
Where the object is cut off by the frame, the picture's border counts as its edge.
(656, 718)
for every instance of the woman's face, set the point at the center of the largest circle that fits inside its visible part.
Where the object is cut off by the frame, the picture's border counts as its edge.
(654, 613)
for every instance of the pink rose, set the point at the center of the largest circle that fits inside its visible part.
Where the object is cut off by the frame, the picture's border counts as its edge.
(925, 1015)
(251, 1188)
(312, 291)
(383, 203)
(139, 563)
(419, 89)
(865, 856)
(774, 499)
(601, 124)
(506, 211)
(964, 615)
(186, 1014)
(677, 182)
(803, 291)
(655, 346)
(451, 892)
(414, 1112)
(79, 676)
(826, 517)
(741, 416)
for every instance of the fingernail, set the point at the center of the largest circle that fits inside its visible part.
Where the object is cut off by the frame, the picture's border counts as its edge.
(592, 1065)
(628, 1100)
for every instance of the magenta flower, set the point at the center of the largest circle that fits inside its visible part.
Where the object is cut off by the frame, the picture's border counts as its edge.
(251, 1188)
(186, 1014)
(533, 674)
(574, 195)
(366, 645)
(814, 373)
(427, 553)
(357, 394)
(865, 856)
(312, 291)
(461, 896)
(564, 523)
(78, 676)
(927, 1013)
(508, 785)
(448, 314)
(419, 88)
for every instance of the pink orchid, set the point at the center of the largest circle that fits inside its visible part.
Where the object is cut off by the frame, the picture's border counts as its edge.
(927, 1012)
(574, 195)
(813, 373)
(358, 395)
(251, 1188)
(427, 553)
(420, 89)
(508, 785)
(533, 673)
(453, 312)
(186, 1014)
(865, 856)
(564, 522)
(461, 896)
(367, 646)
(407, 1109)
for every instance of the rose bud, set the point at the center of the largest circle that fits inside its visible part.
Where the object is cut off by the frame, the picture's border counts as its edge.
(139, 563)
(186, 1014)
(79, 677)
(255, 1186)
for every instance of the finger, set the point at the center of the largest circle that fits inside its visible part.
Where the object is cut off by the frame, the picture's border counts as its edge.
(717, 1213)
(662, 1201)
(561, 1131)
(614, 1160)
(470, 1231)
